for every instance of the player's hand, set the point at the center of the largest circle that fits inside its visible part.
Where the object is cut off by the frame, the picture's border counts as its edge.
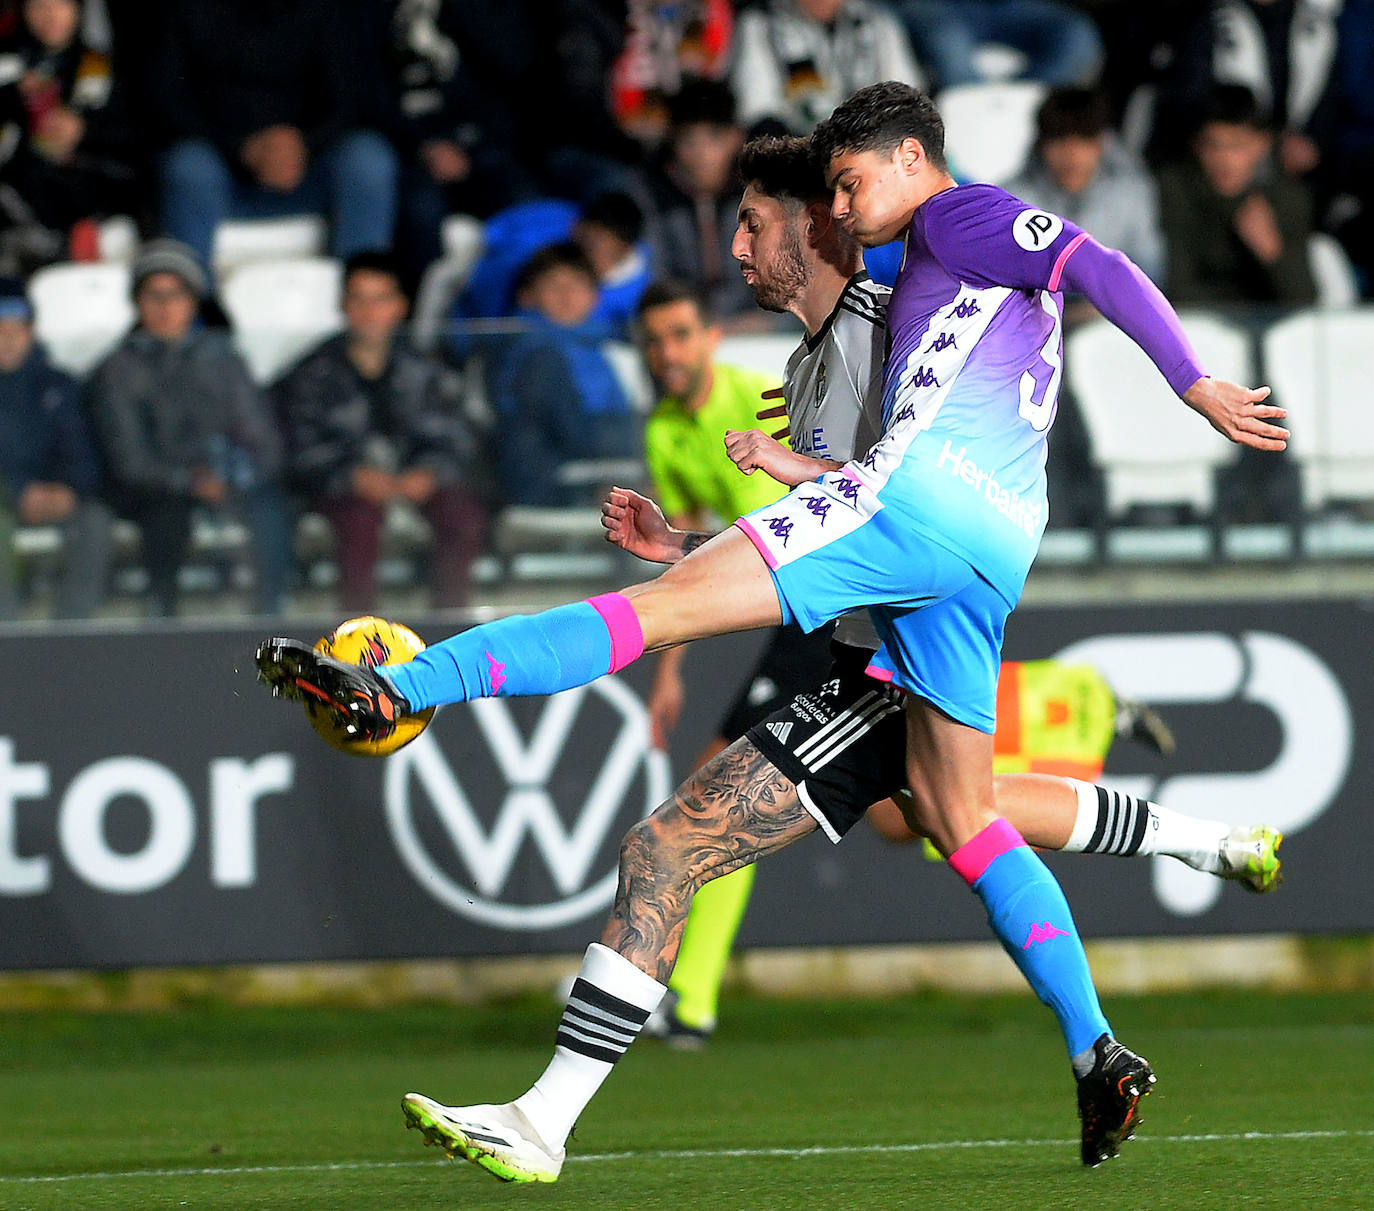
(1239, 413)
(753, 450)
(665, 706)
(637, 525)
(773, 413)
(1258, 227)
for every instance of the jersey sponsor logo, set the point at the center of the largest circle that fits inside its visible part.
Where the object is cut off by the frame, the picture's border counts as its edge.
(781, 731)
(1023, 514)
(819, 446)
(1036, 230)
(560, 817)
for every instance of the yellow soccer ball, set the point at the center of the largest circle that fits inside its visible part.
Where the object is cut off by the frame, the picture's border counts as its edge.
(370, 641)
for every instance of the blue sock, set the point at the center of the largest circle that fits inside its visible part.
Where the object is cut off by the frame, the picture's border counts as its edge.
(523, 654)
(1031, 918)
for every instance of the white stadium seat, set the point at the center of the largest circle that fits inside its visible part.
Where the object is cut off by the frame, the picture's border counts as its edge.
(241, 242)
(279, 309)
(463, 240)
(1332, 271)
(989, 128)
(766, 353)
(1152, 448)
(81, 311)
(1319, 364)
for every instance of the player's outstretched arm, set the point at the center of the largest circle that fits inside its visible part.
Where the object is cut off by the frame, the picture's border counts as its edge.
(753, 450)
(634, 523)
(1239, 413)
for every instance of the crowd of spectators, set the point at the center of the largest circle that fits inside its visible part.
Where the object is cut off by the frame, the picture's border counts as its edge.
(595, 142)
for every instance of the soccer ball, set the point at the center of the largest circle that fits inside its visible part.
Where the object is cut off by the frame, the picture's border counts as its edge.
(370, 641)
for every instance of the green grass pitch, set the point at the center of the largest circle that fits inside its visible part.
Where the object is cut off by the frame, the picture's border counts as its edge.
(1263, 1101)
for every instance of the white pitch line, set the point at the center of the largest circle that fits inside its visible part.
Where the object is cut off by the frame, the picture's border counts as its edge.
(699, 1154)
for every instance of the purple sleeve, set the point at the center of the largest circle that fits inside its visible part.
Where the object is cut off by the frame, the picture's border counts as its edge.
(1122, 293)
(983, 235)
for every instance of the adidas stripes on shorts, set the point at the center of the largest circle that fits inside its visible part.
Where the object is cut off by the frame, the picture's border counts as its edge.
(842, 744)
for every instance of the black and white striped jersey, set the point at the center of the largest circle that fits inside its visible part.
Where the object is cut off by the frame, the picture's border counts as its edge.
(834, 390)
(834, 381)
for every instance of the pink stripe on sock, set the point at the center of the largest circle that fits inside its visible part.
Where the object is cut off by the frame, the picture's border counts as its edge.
(627, 636)
(757, 539)
(1058, 271)
(972, 858)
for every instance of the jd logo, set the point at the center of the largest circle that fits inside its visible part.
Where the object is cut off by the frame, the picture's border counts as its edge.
(422, 785)
(1309, 766)
(1035, 230)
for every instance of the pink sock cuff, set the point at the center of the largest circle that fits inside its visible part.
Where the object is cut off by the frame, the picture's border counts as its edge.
(972, 858)
(627, 636)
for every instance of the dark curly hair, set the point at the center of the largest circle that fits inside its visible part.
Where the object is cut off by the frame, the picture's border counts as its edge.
(879, 117)
(781, 166)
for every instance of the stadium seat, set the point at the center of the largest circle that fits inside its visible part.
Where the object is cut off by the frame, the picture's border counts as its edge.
(629, 369)
(766, 354)
(1318, 363)
(463, 239)
(1332, 271)
(240, 242)
(1153, 450)
(279, 309)
(989, 128)
(81, 311)
(118, 239)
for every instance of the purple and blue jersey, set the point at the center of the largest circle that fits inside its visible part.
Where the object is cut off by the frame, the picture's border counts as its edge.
(955, 487)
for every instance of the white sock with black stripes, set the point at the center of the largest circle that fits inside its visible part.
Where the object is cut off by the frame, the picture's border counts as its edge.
(610, 1000)
(1112, 823)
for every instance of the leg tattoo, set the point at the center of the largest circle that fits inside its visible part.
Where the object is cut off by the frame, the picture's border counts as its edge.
(733, 810)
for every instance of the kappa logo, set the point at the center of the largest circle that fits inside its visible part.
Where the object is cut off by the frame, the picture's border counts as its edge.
(1043, 932)
(467, 864)
(781, 731)
(781, 527)
(942, 342)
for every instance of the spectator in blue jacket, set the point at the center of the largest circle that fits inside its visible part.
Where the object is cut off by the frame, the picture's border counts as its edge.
(610, 231)
(48, 463)
(556, 396)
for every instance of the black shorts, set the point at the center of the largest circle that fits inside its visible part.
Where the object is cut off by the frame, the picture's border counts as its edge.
(841, 743)
(788, 665)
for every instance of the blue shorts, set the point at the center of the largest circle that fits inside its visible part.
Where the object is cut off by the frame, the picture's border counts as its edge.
(940, 622)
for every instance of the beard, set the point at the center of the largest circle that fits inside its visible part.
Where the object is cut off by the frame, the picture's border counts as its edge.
(786, 279)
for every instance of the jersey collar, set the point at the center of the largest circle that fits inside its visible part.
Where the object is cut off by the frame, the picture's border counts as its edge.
(813, 342)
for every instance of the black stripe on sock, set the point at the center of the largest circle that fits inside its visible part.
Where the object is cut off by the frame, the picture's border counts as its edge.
(598, 1030)
(1142, 820)
(572, 1043)
(603, 1000)
(1096, 839)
